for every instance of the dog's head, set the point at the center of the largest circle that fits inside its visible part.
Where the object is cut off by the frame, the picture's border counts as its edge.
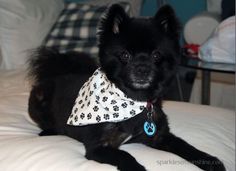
(139, 55)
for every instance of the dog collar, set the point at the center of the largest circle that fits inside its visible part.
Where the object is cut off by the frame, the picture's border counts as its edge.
(99, 100)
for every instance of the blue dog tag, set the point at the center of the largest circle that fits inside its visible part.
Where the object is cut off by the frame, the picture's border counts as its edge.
(149, 128)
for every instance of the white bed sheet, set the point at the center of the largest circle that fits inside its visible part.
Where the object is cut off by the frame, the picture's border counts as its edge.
(21, 149)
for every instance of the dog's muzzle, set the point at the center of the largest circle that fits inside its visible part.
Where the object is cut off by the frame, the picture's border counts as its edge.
(141, 77)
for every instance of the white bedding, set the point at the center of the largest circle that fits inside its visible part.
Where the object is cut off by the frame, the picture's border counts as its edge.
(21, 149)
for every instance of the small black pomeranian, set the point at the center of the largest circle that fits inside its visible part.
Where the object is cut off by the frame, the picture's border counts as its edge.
(119, 100)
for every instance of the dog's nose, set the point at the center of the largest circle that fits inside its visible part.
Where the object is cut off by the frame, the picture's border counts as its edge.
(142, 70)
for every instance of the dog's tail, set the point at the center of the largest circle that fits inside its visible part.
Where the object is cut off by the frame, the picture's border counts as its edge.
(44, 66)
(46, 63)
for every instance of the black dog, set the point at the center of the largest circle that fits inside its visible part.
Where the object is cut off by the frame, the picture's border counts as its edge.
(138, 56)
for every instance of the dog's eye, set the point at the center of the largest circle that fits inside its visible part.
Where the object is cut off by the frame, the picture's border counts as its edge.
(156, 55)
(125, 56)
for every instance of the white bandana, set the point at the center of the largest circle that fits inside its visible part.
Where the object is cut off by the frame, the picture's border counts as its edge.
(99, 100)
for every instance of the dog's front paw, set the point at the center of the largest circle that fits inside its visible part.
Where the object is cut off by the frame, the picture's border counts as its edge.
(132, 167)
(212, 164)
(216, 165)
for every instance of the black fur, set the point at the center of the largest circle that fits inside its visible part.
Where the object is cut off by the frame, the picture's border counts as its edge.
(140, 56)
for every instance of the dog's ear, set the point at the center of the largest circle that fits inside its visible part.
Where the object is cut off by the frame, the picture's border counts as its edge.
(167, 21)
(113, 21)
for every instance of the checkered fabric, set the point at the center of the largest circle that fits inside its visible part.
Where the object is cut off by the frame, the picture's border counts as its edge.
(76, 28)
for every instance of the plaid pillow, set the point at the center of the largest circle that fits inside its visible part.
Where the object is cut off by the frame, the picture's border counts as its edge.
(76, 28)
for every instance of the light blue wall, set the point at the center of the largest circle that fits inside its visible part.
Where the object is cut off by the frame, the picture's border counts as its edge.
(185, 9)
(149, 8)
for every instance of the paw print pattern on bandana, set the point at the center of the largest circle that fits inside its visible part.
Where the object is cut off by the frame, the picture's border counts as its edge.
(106, 116)
(82, 106)
(90, 93)
(131, 103)
(104, 99)
(95, 108)
(98, 118)
(132, 112)
(142, 108)
(99, 100)
(76, 118)
(116, 108)
(76, 109)
(124, 105)
(89, 116)
(115, 115)
(82, 115)
(113, 102)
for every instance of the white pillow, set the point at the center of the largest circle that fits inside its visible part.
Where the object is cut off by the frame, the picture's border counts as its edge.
(23, 26)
